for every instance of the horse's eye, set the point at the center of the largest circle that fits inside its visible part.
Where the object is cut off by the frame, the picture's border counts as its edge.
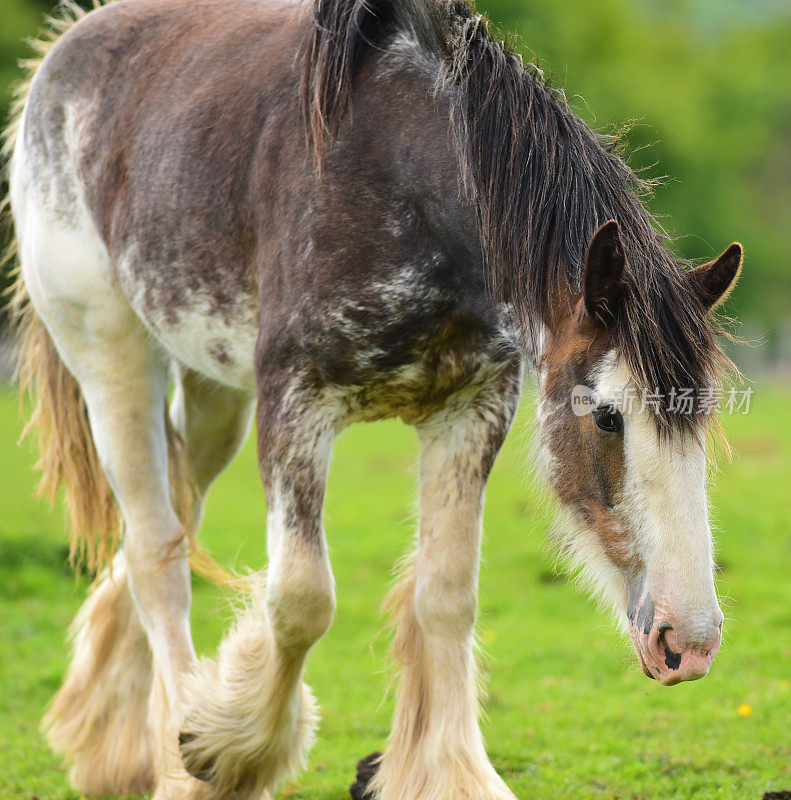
(609, 419)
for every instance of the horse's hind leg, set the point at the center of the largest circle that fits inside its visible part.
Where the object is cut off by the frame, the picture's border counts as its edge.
(99, 715)
(123, 377)
(124, 383)
(436, 749)
(213, 420)
(250, 719)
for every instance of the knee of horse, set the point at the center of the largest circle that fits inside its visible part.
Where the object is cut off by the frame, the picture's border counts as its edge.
(300, 612)
(157, 560)
(445, 607)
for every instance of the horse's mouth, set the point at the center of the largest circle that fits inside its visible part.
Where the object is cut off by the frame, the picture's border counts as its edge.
(646, 671)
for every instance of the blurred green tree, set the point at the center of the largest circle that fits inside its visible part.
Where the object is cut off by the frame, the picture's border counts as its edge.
(708, 87)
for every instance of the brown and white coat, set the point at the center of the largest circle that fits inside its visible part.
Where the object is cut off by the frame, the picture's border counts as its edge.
(336, 214)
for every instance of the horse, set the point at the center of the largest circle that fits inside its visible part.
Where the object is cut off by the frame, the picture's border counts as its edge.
(321, 215)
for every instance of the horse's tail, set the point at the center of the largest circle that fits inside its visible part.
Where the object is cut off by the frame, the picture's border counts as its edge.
(68, 457)
(67, 454)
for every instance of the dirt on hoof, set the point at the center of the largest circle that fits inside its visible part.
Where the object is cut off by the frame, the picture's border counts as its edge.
(768, 796)
(366, 769)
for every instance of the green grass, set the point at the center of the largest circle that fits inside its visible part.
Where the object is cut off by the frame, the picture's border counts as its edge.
(569, 715)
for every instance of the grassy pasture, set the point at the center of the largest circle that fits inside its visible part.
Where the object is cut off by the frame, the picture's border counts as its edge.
(569, 715)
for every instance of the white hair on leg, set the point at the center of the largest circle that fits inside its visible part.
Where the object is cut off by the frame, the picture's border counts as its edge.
(131, 441)
(249, 719)
(124, 383)
(156, 557)
(436, 749)
(98, 717)
(173, 782)
(101, 716)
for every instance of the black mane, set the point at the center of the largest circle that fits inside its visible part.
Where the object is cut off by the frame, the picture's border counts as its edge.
(542, 182)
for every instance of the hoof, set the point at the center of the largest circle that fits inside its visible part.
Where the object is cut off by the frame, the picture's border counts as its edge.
(200, 769)
(366, 769)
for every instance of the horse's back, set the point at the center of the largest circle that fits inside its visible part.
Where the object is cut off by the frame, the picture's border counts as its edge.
(148, 115)
(178, 133)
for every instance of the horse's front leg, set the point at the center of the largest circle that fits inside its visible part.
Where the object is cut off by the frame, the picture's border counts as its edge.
(436, 750)
(250, 719)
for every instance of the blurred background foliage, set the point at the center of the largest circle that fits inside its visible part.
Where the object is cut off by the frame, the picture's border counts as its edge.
(707, 86)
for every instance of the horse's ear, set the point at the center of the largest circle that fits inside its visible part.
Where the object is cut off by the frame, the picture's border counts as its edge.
(712, 282)
(605, 264)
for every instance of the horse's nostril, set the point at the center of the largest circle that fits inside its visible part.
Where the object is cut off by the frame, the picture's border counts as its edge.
(664, 626)
(671, 657)
(661, 630)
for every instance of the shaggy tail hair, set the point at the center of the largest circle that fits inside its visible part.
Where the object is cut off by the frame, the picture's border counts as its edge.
(67, 452)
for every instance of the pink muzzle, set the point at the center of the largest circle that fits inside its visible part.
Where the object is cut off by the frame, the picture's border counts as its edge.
(666, 652)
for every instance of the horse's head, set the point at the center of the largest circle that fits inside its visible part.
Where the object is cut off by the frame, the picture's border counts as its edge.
(630, 477)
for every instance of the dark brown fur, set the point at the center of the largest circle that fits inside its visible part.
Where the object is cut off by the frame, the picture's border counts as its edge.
(542, 182)
(232, 213)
